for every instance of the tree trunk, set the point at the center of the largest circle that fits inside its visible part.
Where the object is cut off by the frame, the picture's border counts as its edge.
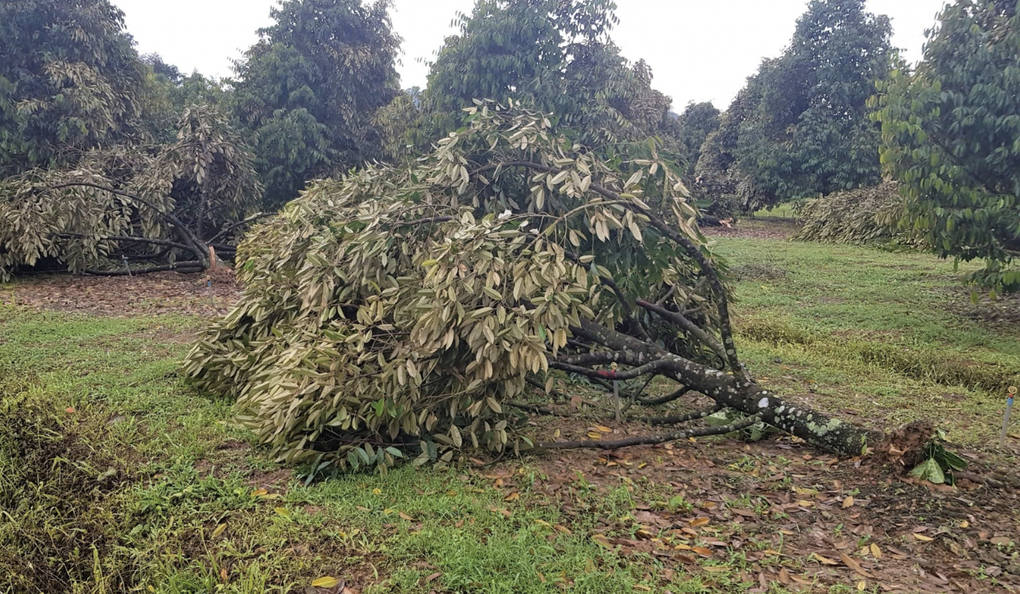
(741, 394)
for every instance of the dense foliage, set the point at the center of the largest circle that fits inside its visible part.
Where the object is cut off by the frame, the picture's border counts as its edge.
(308, 90)
(557, 55)
(695, 124)
(69, 82)
(862, 215)
(400, 304)
(951, 135)
(800, 128)
(132, 202)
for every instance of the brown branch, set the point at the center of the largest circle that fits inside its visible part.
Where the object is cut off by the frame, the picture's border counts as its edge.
(648, 439)
(190, 266)
(691, 328)
(162, 242)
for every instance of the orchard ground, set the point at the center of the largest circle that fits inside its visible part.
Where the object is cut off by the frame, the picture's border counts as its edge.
(115, 474)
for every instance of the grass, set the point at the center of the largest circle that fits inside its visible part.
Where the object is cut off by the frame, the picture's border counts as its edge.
(883, 335)
(116, 476)
(132, 475)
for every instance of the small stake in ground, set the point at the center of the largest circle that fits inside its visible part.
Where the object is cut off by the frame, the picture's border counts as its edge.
(616, 395)
(1005, 420)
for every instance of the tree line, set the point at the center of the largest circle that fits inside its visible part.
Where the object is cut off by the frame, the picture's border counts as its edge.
(107, 155)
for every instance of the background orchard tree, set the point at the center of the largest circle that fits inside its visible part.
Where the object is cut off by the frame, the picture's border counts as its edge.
(950, 135)
(558, 56)
(158, 207)
(70, 80)
(309, 89)
(697, 121)
(801, 128)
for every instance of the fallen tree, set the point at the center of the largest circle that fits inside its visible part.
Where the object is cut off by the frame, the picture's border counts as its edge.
(862, 215)
(161, 208)
(403, 311)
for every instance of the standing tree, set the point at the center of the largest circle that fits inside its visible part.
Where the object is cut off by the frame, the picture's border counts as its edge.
(558, 56)
(696, 122)
(951, 136)
(69, 81)
(309, 89)
(806, 130)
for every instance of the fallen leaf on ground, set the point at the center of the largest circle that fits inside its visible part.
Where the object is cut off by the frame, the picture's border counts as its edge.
(853, 564)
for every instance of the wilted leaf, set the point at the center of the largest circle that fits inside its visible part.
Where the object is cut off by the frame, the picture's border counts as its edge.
(325, 582)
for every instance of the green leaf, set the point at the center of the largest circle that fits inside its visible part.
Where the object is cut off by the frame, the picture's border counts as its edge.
(930, 471)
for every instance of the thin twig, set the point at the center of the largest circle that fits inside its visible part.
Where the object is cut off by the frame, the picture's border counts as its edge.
(694, 416)
(648, 439)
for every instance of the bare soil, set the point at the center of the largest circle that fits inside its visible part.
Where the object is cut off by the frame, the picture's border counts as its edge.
(201, 295)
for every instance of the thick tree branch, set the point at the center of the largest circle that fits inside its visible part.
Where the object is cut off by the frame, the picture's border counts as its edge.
(610, 374)
(191, 266)
(161, 242)
(677, 395)
(226, 230)
(701, 414)
(689, 326)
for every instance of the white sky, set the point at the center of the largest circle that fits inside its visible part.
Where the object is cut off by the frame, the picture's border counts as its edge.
(699, 50)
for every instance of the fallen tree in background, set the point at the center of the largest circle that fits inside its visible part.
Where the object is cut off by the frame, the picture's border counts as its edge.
(864, 215)
(403, 311)
(131, 207)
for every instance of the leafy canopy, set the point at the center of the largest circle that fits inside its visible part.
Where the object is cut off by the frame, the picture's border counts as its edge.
(308, 90)
(403, 307)
(951, 135)
(695, 124)
(800, 128)
(69, 81)
(558, 56)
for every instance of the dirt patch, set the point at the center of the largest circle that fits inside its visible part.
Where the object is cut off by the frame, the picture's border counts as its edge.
(800, 519)
(755, 229)
(996, 314)
(152, 294)
(274, 481)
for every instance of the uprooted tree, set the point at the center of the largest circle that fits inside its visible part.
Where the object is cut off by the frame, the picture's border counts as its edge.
(156, 208)
(407, 310)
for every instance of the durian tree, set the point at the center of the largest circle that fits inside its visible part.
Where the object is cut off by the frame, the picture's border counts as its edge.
(144, 207)
(951, 137)
(405, 311)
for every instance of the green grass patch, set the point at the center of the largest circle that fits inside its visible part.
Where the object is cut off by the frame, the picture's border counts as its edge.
(883, 334)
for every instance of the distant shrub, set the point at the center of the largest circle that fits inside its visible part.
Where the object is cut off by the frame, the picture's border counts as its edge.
(863, 215)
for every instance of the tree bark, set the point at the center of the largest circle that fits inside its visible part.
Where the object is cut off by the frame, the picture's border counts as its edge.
(739, 393)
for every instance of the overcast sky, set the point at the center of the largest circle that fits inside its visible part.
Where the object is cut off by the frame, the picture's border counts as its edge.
(699, 50)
